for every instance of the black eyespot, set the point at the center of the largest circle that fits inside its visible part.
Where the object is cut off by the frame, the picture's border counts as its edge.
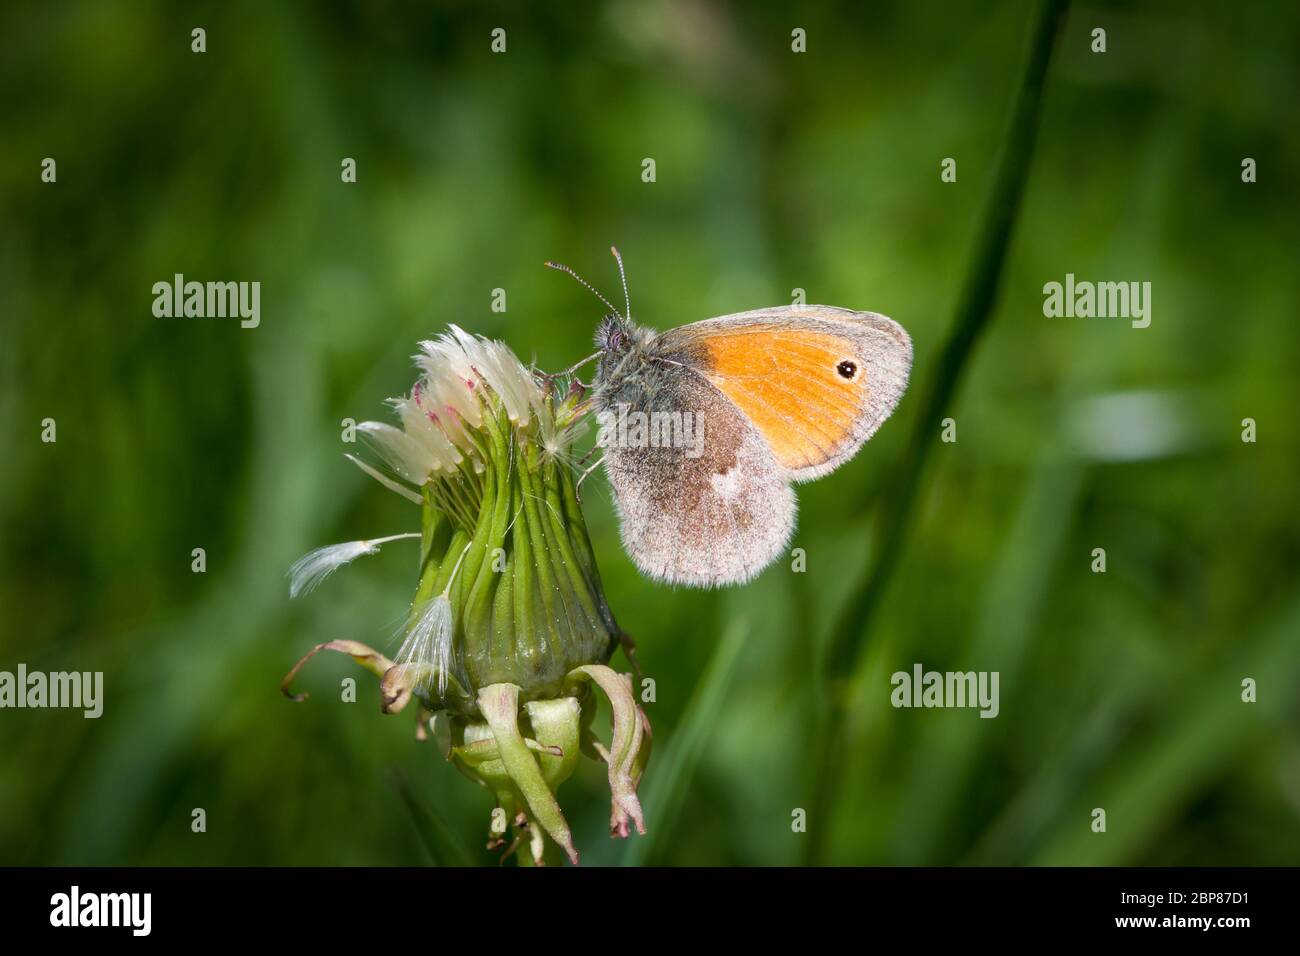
(847, 369)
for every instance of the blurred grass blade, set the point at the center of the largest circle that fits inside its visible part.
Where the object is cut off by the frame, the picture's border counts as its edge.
(436, 837)
(978, 298)
(667, 783)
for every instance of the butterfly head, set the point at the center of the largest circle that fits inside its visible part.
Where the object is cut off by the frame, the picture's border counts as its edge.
(616, 332)
(614, 335)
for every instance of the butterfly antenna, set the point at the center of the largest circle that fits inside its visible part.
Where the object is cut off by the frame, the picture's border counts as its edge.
(627, 300)
(590, 287)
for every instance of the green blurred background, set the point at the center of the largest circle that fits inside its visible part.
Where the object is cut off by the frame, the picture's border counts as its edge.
(775, 170)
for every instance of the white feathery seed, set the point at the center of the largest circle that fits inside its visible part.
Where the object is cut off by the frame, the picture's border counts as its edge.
(315, 566)
(457, 371)
(399, 451)
(384, 480)
(428, 644)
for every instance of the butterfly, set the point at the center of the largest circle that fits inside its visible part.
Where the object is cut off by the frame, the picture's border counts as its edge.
(705, 427)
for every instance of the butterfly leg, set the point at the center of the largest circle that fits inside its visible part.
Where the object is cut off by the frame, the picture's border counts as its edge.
(629, 651)
(569, 372)
(577, 489)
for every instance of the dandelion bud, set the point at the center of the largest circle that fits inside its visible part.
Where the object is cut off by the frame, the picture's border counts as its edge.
(508, 630)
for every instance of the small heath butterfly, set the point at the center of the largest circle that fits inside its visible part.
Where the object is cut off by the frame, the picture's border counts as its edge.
(705, 427)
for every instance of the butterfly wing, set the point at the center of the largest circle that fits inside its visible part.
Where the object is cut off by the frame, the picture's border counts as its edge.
(815, 381)
(712, 509)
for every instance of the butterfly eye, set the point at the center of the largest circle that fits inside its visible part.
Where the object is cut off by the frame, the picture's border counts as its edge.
(847, 369)
(610, 336)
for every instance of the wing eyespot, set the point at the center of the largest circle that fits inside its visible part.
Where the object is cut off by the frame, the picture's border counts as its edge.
(848, 370)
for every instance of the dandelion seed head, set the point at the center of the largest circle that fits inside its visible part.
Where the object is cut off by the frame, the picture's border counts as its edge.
(462, 375)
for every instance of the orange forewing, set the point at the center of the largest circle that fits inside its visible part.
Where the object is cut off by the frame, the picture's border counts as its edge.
(786, 382)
